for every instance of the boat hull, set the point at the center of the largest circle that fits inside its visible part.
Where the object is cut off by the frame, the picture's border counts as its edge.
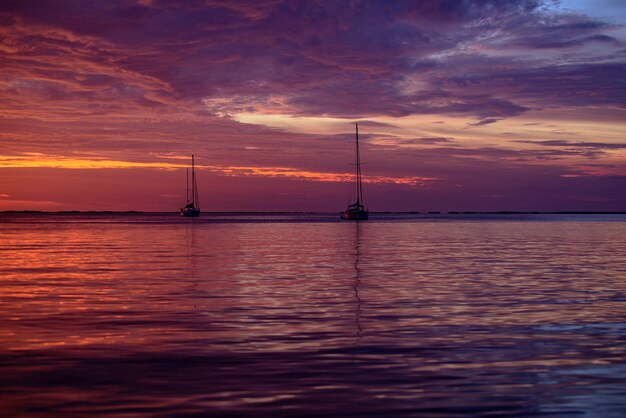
(355, 215)
(190, 212)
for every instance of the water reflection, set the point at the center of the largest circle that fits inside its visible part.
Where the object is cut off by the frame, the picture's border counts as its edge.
(237, 319)
(357, 281)
(192, 277)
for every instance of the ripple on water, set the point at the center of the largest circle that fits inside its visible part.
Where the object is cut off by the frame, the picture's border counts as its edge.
(154, 316)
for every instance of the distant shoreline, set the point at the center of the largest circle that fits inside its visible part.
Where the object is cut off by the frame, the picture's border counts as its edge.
(134, 212)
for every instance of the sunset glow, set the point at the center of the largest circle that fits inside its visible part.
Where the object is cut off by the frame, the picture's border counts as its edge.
(514, 105)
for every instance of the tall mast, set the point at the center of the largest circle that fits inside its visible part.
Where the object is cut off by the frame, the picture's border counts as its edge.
(187, 170)
(196, 201)
(359, 187)
(193, 181)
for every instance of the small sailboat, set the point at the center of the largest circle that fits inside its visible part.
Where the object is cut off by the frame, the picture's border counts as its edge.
(192, 208)
(357, 210)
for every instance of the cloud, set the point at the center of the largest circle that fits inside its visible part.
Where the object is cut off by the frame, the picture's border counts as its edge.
(558, 31)
(135, 82)
(311, 59)
(569, 144)
(552, 86)
(166, 163)
(485, 121)
(429, 140)
(374, 124)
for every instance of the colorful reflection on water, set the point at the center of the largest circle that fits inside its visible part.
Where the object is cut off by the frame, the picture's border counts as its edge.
(152, 315)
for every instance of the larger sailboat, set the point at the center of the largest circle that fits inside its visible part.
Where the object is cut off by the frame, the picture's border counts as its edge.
(192, 208)
(357, 210)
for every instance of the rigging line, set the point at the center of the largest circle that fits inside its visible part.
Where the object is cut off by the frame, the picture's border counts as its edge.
(358, 168)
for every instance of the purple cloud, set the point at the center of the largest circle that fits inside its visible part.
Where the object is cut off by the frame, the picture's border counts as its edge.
(323, 58)
(145, 80)
(568, 144)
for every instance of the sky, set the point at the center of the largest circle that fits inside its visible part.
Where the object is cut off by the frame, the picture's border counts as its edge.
(481, 105)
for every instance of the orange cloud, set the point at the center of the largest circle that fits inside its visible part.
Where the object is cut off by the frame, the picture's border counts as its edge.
(319, 176)
(36, 160)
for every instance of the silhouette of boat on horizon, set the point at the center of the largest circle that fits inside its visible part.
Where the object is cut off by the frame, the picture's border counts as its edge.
(192, 208)
(357, 210)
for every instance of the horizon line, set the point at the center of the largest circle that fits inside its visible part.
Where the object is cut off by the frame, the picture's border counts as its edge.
(501, 212)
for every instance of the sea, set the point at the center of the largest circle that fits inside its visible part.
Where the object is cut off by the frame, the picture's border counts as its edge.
(298, 315)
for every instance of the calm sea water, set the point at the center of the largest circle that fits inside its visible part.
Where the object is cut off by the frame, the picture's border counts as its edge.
(303, 315)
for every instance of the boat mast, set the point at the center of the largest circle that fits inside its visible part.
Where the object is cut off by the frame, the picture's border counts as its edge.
(194, 191)
(193, 182)
(187, 170)
(359, 186)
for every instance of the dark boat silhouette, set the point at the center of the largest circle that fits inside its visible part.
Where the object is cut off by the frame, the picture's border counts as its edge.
(192, 208)
(357, 210)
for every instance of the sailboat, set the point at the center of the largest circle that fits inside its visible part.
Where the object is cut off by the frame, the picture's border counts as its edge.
(357, 210)
(192, 208)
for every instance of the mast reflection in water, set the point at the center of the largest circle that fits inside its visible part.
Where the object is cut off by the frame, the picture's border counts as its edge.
(357, 282)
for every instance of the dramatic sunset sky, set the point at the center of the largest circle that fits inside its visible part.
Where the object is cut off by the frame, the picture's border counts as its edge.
(462, 105)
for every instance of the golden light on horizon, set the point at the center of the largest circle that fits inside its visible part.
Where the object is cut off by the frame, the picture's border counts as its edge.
(37, 160)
